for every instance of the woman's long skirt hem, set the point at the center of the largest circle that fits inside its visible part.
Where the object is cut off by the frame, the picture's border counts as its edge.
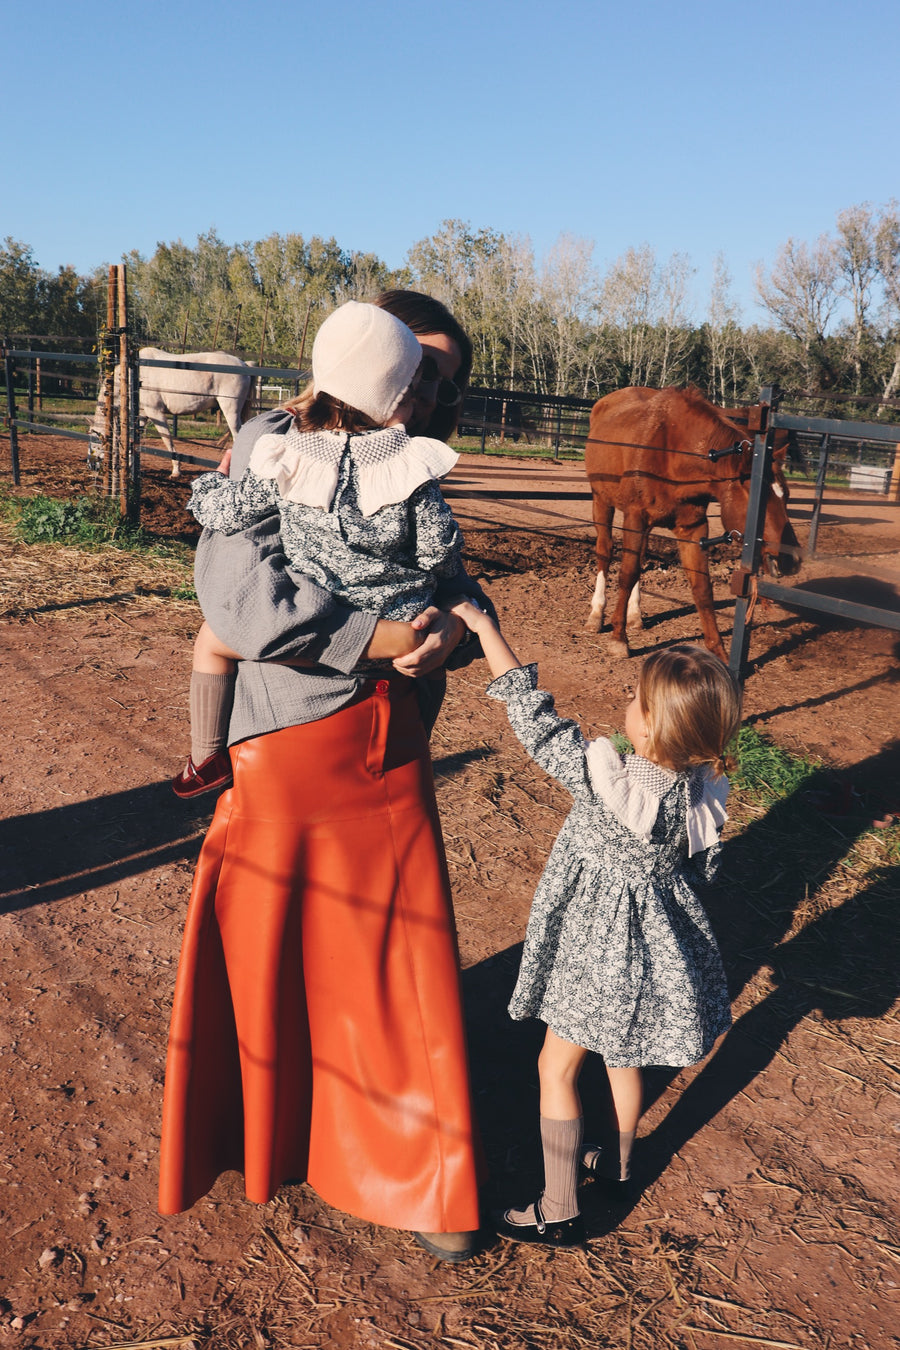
(317, 1028)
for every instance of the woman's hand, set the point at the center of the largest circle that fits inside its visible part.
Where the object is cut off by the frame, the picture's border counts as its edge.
(439, 633)
(224, 465)
(393, 639)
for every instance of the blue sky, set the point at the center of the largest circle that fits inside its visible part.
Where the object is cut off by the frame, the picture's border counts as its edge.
(696, 127)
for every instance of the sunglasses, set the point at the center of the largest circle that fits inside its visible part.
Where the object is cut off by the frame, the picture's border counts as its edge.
(448, 394)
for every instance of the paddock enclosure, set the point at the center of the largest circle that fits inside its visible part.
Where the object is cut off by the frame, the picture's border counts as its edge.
(768, 1193)
(767, 1205)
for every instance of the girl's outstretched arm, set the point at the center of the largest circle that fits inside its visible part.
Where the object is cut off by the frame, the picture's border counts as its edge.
(497, 651)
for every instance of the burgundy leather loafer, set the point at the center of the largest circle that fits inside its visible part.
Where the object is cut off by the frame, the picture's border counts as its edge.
(212, 774)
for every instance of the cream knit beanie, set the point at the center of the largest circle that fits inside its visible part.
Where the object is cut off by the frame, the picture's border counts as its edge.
(366, 358)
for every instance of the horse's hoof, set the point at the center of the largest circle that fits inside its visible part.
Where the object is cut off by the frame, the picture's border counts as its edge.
(619, 651)
(593, 624)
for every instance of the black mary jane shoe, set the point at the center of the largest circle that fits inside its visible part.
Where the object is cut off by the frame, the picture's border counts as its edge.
(615, 1189)
(560, 1233)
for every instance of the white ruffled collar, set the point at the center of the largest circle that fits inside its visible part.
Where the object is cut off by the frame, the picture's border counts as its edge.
(390, 465)
(633, 788)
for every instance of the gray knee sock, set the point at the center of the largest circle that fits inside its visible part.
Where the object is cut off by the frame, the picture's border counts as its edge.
(211, 697)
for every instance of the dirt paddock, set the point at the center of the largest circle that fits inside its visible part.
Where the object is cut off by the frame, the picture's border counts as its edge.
(767, 1206)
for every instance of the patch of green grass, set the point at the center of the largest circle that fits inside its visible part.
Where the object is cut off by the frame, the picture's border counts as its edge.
(766, 770)
(87, 521)
(759, 766)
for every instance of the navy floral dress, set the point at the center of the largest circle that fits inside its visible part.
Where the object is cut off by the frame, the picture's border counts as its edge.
(361, 516)
(619, 956)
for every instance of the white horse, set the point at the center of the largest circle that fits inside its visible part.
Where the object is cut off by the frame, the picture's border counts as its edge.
(169, 390)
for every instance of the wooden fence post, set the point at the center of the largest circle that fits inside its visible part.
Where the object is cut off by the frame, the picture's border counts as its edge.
(894, 489)
(124, 465)
(108, 368)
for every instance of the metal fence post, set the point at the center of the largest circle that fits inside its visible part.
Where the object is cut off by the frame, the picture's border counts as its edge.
(753, 534)
(10, 369)
(817, 499)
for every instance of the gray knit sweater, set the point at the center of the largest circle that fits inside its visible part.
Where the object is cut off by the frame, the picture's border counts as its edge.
(256, 605)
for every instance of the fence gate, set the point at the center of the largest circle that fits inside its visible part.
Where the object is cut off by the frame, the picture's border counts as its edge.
(746, 583)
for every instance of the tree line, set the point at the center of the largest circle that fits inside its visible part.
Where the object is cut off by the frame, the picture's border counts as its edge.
(551, 325)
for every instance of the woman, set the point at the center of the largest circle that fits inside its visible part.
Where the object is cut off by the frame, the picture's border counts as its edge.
(317, 1029)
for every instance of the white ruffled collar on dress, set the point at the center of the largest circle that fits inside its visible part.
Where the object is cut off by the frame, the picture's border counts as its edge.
(633, 789)
(390, 465)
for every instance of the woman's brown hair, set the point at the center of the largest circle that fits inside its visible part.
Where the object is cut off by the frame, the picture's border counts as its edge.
(423, 314)
(692, 706)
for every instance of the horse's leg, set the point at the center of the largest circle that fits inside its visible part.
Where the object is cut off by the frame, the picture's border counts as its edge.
(165, 435)
(633, 615)
(695, 562)
(634, 527)
(603, 518)
(231, 412)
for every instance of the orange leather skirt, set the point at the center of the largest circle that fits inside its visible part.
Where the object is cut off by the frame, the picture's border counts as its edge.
(317, 1028)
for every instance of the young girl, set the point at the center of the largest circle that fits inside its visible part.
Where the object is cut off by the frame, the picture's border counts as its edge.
(361, 511)
(619, 957)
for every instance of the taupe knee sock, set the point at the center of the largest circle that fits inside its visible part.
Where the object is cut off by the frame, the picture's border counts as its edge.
(211, 697)
(626, 1144)
(561, 1142)
(602, 1161)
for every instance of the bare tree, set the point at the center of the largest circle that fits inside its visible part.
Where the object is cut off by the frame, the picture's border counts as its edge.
(627, 301)
(568, 288)
(801, 293)
(887, 252)
(723, 326)
(858, 265)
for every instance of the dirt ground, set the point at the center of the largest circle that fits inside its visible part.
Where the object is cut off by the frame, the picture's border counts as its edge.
(766, 1213)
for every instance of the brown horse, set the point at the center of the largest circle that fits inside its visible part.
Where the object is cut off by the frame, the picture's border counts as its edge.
(648, 456)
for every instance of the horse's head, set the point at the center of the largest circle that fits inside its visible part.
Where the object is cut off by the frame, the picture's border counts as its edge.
(780, 545)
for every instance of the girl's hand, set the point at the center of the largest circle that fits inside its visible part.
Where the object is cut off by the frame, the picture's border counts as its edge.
(471, 613)
(225, 462)
(497, 651)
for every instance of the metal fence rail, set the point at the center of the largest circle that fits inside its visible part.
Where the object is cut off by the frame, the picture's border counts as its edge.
(746, 584)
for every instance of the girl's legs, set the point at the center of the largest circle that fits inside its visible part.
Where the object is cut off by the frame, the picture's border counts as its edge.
(211, 697)
(559, 1065)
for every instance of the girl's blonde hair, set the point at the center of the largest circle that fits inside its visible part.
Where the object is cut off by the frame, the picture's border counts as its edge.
(324, 412)
(692, 706)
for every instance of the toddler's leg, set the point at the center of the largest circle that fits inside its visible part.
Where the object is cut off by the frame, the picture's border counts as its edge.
(211, 697)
